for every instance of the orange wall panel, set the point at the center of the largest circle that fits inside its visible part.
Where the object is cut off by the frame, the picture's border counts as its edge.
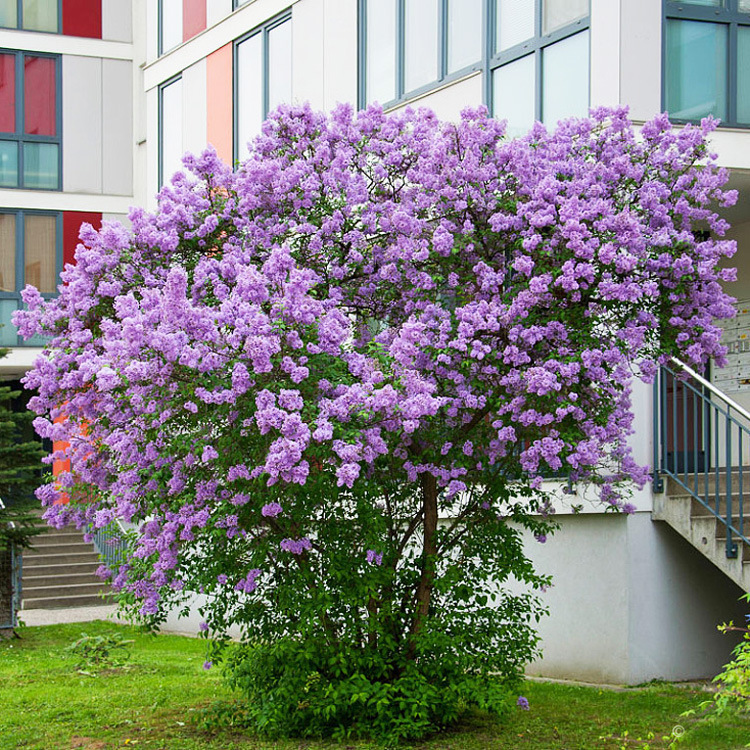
(219, 101)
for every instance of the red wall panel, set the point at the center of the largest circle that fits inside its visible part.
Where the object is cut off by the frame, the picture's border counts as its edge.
(193, 18)
(82, 18)
(72, 221)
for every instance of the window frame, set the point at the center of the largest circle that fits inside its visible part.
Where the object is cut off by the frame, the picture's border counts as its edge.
(534, 46)
(19, 137)
(20, 253)
(444, 77)
(19, 19)
(160, 126)
(160, 29)
(265, 29)
(727, 15)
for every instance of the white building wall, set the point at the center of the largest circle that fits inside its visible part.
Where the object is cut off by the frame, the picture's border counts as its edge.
(117, 127)
(193, 107)
(117, 20)
(82, 124)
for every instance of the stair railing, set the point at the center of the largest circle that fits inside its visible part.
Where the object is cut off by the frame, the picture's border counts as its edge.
(110, 544)
(702, 442)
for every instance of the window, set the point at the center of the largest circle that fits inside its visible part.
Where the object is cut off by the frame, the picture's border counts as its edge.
(30, 253)
(179, 20)
(31, 15)
(30, 153)
(539, 65)
(407, 46)
(170, 129)
(707, 60)
(262, 77)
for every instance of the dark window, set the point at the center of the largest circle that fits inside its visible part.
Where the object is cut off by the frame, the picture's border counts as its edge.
(30, 253)
(31, 15)
(30, 154)
(707, 60)
(262, 77)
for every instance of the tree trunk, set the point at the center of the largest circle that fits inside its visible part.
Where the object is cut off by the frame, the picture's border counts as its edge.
(429, 555)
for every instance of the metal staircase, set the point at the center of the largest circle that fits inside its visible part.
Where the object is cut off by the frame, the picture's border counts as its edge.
(702, 468)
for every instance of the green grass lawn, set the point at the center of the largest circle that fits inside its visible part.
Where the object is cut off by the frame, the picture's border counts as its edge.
(152, 703)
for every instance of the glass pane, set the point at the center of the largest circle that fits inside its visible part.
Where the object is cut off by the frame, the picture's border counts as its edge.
(7, 252)
(381, 51)
(8, 164)
(743, 74)
(9, 13)
(744, 6)
(513, 88)
(421, 65)
(171, 24)
(8, 335)
(712, 3)
(696, 63)
(171, 130)
(464, 33)
(565, 79)
(515, 23)
(7, 93)
(280, 65)
(40, 162)
(39, 95)
(559, 13)
(249, 91)
(40, 252)
(40, 15)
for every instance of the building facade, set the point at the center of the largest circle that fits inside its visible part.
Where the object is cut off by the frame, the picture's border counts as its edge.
(99, 99)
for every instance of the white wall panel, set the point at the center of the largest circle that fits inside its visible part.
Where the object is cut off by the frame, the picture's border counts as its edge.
(82, 124)
(640, 71)
(117, 130)
(448, 102)
(194, 135)
(117, 20)
(216, 10)
(605, 53)
(152, 150)
(339, 51)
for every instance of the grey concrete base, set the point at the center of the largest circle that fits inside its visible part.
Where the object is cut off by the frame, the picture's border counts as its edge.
(66, 615)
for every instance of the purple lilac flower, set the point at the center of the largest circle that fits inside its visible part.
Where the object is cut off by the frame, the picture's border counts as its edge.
(523, 703)
(207, 665)
(374, 558)
(271, 510)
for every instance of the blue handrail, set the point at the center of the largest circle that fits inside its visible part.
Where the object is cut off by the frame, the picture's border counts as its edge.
(702, 442)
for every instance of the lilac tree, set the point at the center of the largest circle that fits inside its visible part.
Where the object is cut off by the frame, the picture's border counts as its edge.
(326, 387)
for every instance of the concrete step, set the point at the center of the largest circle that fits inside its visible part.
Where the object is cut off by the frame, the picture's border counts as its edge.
(57, 602)
(58, 537)
(61, 579)
(61, 570)
(63, 591)
(61, 549)
(35, 560)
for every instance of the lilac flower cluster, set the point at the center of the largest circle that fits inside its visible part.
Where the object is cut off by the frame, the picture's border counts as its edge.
(370, 293)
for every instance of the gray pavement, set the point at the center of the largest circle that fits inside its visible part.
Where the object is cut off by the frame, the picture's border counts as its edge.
(71, 614)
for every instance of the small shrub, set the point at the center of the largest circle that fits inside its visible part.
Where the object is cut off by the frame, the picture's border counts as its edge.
(295, 689)
(100, 651)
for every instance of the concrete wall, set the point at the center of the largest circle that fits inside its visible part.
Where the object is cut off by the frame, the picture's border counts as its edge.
(631, 602)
